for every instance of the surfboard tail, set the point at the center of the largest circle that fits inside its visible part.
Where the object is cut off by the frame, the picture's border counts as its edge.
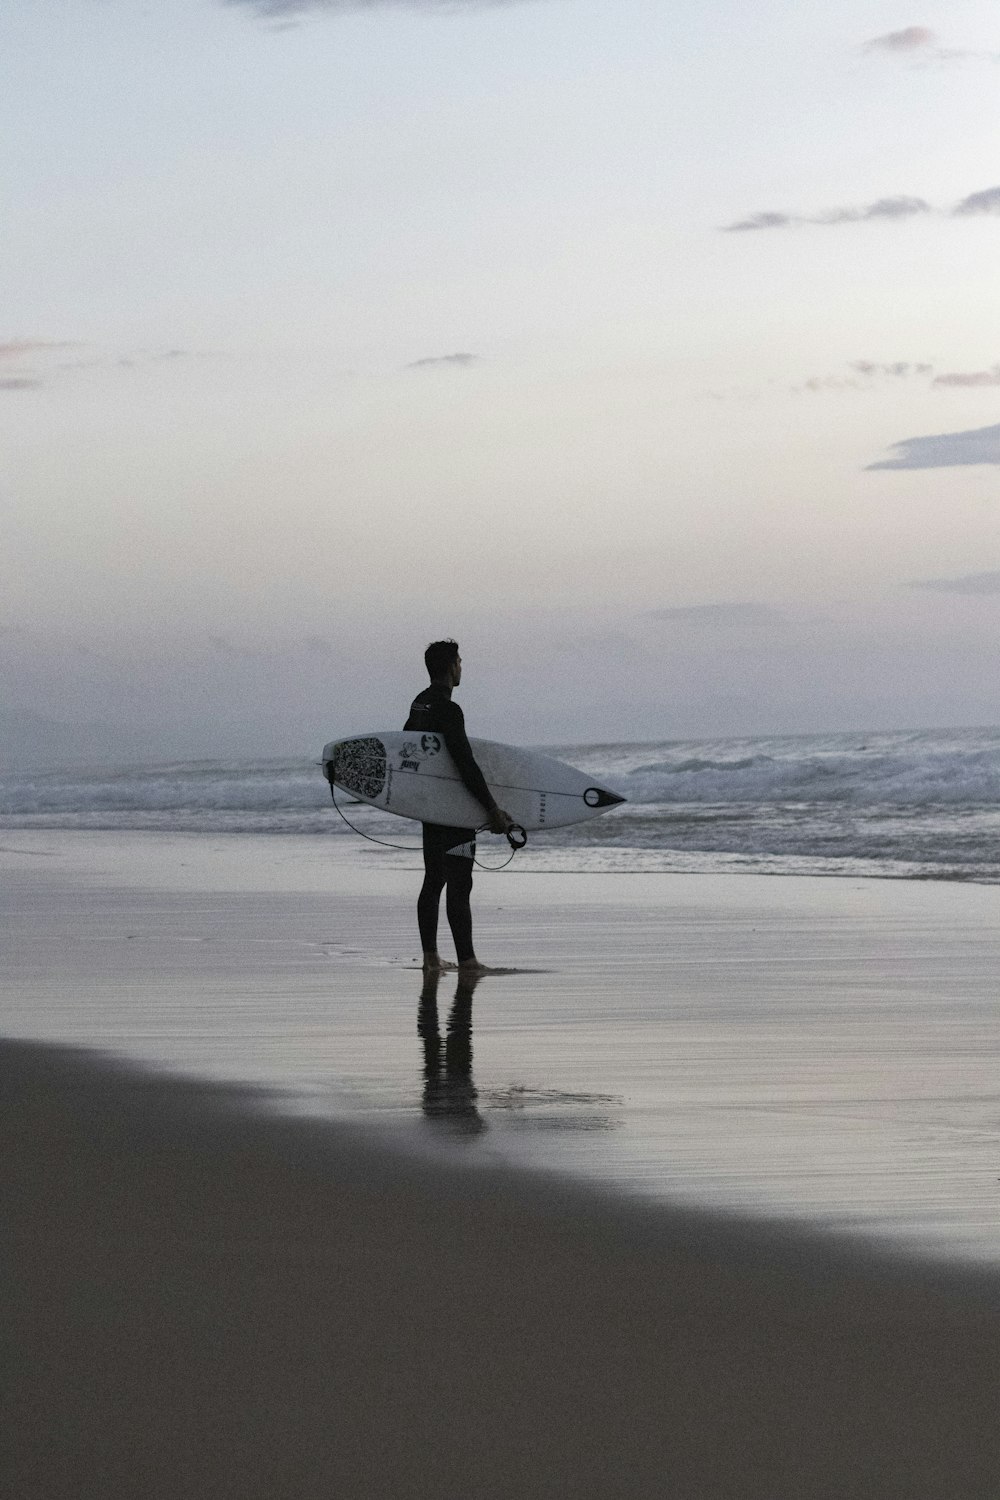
(599, 796)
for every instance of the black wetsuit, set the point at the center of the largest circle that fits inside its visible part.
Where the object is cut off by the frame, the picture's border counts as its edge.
(448, 851)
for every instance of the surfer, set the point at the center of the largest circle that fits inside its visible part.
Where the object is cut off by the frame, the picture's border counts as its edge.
(449, 852)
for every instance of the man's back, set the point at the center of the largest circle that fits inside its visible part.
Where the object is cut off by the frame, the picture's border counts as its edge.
(433, 712)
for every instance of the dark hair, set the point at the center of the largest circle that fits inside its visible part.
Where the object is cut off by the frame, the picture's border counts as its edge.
(439, 656)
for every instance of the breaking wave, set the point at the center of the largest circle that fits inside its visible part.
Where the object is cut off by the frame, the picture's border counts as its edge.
(916, 804)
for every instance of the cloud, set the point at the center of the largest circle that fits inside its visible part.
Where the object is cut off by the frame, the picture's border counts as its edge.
(432, 361)
(143, 357)
(865, 374)
(969, 377)
(817, 383)
(945, 450)
(758, 221)
(868, 375)
(713, 616)
(227, 647)
(602, 643)
(923, 44)
(899, 207)
(882, 208)
(16, 348)
(986, 202)
(900, 369)
(895, 208)
(42, 371)
(967, 583)
(910, 39)
(288, 10)
(319, 645)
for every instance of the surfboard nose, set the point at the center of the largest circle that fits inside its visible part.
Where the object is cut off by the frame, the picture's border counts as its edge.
(597, 796)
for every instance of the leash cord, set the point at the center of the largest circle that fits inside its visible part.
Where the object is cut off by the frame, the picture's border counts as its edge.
(412, 848)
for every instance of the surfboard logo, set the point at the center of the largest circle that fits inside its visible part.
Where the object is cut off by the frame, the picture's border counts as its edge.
(428, 744)
(359, 767)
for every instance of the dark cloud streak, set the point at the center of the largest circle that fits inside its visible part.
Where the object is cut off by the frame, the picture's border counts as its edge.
(882, 208)
(945, 450)
(967, 583)
(969, 378)
(865, 373)
(715, 616)
(289, 11)
(899, 369)
(17, 348)
(923, 45)
(986, 202)
(902, 206)
(435, 361)
(758, 221)
(910, 39)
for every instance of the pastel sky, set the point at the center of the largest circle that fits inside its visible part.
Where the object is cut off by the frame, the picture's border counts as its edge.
(652, 349)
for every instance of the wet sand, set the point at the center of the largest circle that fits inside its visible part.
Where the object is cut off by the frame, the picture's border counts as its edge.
(206, 1300)
(824, 1049)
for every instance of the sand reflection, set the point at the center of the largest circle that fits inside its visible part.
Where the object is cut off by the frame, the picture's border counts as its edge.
(449, 1093)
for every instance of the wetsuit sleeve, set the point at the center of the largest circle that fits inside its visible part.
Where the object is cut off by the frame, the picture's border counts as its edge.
(460, 751)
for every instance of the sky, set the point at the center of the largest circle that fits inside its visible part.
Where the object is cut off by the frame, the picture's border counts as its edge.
(650, 349)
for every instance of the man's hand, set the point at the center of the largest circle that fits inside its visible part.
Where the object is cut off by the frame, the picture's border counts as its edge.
(500, 821)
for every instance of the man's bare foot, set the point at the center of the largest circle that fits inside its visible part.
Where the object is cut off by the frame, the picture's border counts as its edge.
(434, 963)
(472, 966)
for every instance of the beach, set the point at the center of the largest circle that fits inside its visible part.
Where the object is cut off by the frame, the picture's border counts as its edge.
(701, 1203)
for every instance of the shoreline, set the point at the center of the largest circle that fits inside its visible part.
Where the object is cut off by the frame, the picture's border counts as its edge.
(212, 1298)
(648, 862)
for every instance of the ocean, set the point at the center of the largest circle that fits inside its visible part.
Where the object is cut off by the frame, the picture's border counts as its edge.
(904, 805)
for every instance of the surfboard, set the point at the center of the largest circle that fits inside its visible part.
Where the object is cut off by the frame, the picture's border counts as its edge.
(413, 775)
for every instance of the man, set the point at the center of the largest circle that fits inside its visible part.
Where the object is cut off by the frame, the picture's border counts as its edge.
(449, 852)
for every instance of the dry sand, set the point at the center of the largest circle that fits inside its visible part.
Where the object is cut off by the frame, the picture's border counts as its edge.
(206, 1301)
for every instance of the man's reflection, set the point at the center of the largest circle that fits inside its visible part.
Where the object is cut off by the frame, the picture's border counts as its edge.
(449, 1092)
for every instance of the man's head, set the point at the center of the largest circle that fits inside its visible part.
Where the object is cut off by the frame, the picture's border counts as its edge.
(443, 662)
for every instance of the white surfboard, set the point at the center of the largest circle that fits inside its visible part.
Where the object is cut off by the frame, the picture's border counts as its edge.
(412, 774)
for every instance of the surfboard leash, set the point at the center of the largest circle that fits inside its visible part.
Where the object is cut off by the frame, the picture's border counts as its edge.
(514, 842)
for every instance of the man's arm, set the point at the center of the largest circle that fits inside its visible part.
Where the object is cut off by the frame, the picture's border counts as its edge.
(460, 750)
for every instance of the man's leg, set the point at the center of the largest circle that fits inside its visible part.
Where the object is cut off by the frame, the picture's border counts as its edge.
(429, 900)
(458, 904)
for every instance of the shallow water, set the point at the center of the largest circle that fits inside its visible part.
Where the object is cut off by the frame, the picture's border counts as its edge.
(825, 1049)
